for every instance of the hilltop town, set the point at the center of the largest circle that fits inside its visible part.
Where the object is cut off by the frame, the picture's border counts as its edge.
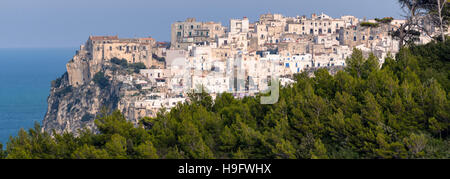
(240, 59)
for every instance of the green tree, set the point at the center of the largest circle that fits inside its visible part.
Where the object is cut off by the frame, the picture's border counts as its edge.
(146, 150)
(416, 144)
(2, 153)
(371, 110)
(319, 151)
(90, 152)
(117, 147)
(355, 63)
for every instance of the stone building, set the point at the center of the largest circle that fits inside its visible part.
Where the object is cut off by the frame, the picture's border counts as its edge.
(87, 61)
(239, 25)
(318, 25)
(190, 32)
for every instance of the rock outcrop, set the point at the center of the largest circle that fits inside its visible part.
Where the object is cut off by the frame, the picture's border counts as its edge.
(71, 108)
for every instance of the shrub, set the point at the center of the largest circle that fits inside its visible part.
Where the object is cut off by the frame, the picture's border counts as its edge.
(385, 20)
(100, 80)
(369, 24)
(137, 66)
(87, 117)
(121, 62)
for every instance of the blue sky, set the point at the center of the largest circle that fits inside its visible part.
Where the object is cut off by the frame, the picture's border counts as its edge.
(68, 23)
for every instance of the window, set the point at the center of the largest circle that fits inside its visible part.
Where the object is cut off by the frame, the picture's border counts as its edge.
(180, 27)
(179, 34)
(354, 38)
(192, 27)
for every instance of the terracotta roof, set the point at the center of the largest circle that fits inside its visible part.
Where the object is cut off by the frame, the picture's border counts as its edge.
(148, 38)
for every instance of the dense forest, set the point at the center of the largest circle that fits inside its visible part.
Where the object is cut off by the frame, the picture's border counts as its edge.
(397, 110)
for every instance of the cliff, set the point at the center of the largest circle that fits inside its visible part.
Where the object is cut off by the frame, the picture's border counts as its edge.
(74, 107)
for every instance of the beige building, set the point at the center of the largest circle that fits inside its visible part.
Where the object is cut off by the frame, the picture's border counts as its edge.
(368, 36)
(317, 25)
(190, 32)
(87, 61)
(239, 25)
(107, 47)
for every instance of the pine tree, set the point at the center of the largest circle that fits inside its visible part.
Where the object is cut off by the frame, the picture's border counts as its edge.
(319, 151)
(117, 147)
(146, 150)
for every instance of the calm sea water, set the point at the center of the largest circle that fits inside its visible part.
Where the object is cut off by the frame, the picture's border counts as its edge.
(25, 78)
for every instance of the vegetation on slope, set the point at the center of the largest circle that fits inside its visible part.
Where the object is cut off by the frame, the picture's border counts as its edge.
(133, 67)
(398, 111)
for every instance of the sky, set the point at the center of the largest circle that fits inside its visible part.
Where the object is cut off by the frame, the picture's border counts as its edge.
(68, 23)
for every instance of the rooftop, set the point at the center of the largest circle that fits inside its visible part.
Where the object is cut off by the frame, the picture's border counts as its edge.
(103, 37)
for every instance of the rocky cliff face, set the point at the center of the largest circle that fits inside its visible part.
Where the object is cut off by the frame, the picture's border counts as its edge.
(71, 108)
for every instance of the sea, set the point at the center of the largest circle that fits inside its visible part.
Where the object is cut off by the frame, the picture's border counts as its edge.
(25, 78)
